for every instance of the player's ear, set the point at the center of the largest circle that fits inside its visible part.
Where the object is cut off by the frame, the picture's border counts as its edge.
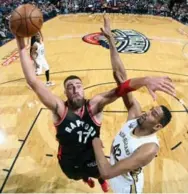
(157, 127)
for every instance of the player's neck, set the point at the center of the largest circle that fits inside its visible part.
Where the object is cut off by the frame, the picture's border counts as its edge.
(39, 41)
(78, 110)
(75, 110)
(139, 131)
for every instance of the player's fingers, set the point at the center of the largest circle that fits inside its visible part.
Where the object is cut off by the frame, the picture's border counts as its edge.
(166, 90)
(167, 78)
(170, 84)
(152, 93)
(170, 88)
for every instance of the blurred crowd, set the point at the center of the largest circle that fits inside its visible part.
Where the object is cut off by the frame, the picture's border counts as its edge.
(51, 8)
(180, 12)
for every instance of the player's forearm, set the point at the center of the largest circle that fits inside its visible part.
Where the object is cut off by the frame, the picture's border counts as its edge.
(107, 170)
(26, 62)
(102, 162)
(117, 64)
(123, 89)
(131, 85)
(137, 83)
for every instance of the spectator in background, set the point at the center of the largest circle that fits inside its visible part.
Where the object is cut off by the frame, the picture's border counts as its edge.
(180, 12)
(52, 8)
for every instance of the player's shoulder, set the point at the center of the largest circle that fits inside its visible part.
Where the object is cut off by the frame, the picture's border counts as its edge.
(89, 103)
(35, 45)
(150, 148)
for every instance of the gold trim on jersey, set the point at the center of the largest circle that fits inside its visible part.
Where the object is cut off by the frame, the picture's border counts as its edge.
(134, 174)
(133, 188)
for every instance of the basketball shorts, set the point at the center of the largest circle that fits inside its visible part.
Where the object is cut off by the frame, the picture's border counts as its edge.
(120, 184)
(76, 169)
(41, 64)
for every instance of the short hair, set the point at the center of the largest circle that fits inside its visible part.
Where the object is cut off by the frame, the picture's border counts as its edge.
(70, 78)
(166, 117)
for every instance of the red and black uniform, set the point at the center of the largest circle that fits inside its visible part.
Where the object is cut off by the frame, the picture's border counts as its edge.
(75, 133)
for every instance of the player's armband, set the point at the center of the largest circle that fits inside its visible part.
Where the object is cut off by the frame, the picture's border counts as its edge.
(124, 88)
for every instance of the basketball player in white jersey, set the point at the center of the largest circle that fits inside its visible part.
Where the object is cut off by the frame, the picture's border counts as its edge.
(38, 56)
(136, 144)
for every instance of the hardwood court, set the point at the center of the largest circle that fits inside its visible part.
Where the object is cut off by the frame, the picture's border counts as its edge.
(28, 154)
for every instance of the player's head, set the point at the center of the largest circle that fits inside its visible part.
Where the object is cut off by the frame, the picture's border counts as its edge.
(155, 119)
(74, 91)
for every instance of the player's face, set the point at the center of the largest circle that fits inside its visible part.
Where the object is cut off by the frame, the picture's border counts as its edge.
(75, 92)
(151, 119)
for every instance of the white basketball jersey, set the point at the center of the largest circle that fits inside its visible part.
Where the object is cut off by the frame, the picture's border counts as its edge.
(40, 51)
(125, 143)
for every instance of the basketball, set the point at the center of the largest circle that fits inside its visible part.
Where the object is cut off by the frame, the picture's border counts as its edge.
(26, 20)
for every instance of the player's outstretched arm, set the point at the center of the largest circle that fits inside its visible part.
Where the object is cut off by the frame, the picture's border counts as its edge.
(152, 83)
(46, 97)
(120, 75)
(141, 157)
(100, 101)
(119, 72)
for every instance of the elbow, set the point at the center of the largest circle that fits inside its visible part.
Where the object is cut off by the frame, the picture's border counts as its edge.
(119, 77)
(105, 175)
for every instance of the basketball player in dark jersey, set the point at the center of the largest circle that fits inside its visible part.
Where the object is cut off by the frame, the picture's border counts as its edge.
(75, 132)
(78, 120)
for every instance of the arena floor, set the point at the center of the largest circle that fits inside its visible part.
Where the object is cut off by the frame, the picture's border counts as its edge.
(28, 149)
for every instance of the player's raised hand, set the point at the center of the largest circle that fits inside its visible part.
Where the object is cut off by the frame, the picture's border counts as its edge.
(106, 30)
(163, 84)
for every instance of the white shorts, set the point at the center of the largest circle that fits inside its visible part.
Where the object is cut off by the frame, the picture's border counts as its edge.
(41, 64)
(120, 184)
